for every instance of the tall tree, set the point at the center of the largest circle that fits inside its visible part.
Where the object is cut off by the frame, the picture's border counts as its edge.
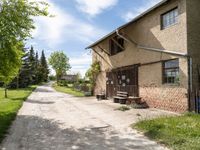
(32, 61)
(60, 63)
(44, 67)
(11, 61)
(37, 68)
(16, 24)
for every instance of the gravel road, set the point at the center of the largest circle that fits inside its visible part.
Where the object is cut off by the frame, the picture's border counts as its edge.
(50, 120)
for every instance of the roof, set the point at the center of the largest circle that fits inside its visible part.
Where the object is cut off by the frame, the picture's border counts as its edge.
(132, 21)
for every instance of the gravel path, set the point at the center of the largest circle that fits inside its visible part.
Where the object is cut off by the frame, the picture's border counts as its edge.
(50, 120)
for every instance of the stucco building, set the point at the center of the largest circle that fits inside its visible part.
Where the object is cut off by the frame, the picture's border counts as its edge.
(154, 56)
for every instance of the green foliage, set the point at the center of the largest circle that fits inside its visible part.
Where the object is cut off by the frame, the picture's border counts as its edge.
(92, 73)
(43, 68)
(60, 63)
(10, 106)
(123, 108)
(16, 18)
(16, 24)
(10, 63)
(68, 90)
(178, 133)
(32, 70)
(52, 78)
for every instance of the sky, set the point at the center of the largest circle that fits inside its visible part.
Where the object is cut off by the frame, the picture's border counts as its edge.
(78, 23)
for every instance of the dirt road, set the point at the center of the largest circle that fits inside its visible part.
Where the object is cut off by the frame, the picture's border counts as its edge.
(50, 120)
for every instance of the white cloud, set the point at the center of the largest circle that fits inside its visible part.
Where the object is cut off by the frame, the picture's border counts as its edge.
(62, 27)
(95, 7)
(80, 64)
(137, 11)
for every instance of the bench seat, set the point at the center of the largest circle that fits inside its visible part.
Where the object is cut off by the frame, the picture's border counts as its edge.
(121, 97)
(118, 97)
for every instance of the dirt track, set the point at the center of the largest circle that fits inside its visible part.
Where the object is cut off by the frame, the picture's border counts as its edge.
(50, 120)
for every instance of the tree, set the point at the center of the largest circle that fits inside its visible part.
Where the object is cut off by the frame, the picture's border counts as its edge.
(60, 63)
(44, 67)
(11, 59)
(32, 63)
(16, 24)
(92, 74)
(37, 69)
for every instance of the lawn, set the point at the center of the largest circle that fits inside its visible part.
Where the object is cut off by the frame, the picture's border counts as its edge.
(10, 106)
(178, 133)
(68, 90)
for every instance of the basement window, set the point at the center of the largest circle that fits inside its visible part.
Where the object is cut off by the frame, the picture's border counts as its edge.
(169, 18)
(171, 72)
(116, 45)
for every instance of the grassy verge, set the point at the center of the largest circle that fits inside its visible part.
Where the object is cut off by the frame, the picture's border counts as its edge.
(68, 90)
(178, 133)
(10, 106)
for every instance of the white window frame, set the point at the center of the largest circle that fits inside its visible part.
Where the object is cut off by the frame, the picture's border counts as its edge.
(169, 18)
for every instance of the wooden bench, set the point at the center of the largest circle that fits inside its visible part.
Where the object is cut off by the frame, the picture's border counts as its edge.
(121, 97)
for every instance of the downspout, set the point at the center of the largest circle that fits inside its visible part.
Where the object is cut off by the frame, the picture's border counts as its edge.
(190, 88)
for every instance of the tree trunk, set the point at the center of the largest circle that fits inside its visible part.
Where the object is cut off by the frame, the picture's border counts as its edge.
(6, 95)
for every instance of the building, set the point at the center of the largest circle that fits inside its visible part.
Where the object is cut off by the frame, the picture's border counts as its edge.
(69, 78)
(154, 56)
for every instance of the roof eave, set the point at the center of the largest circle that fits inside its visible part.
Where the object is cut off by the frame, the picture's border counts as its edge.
(135, 19)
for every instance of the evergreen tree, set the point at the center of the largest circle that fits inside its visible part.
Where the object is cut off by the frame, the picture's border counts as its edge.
(32, 63)
(37, 68)
(23, 78)
(44, 67)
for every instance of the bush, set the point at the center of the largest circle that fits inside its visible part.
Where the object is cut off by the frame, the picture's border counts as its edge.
(52, 78)
(123, 108)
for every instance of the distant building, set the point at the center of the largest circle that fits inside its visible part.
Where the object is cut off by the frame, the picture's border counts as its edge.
(71, 78)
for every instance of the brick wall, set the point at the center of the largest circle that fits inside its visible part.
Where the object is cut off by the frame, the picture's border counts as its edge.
(166, 98)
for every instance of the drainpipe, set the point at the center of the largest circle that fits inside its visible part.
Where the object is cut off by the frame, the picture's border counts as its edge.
(149, 48)
(190, 88)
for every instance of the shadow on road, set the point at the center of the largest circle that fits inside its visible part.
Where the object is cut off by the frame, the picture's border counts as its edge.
(31, 132)
(39, 102)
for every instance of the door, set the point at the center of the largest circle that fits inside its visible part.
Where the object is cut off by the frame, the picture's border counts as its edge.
(123, 79)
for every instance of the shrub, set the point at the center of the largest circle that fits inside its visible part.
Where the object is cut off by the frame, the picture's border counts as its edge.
(123, 108)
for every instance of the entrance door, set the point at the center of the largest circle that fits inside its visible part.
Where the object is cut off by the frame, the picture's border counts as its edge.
(123, 79)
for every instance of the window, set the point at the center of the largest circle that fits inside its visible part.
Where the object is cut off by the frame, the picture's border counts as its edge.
(170, 18)
(116, 45)
(171, 72)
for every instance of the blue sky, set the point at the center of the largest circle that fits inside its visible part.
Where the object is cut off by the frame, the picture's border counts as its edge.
(78, 23)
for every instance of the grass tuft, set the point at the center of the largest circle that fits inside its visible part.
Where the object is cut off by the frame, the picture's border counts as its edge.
(123, 108)
(68, 90)
(182, 132)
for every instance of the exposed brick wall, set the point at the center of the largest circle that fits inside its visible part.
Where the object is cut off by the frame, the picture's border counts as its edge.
(167, 98)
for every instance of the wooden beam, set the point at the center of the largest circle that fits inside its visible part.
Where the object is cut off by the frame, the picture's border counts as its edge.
(103, 58)
(104, 50)
(118, 44)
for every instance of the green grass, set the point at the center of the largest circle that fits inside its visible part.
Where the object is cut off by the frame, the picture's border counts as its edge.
(178, 133)
(68, 90)
(10, 106)
(123, 108)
